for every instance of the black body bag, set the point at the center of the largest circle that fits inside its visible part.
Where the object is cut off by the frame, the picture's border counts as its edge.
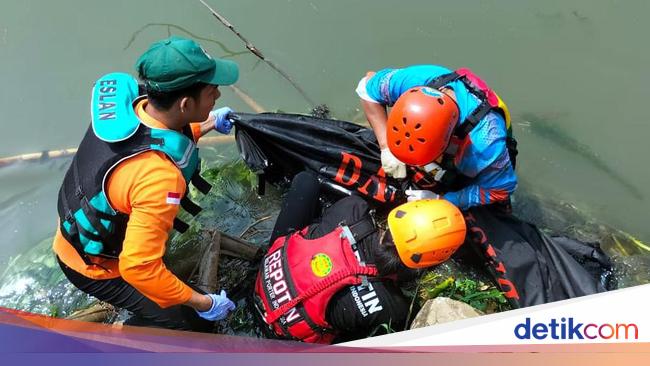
(527, 265)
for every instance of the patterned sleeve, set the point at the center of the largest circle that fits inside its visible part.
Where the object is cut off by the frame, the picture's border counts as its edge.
(487, 161)
(378, 87)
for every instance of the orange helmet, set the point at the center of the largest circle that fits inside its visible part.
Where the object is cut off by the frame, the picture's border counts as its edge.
(426, 232)
(420, 125)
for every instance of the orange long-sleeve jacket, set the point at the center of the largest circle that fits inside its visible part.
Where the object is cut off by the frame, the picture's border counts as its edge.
(139, 187)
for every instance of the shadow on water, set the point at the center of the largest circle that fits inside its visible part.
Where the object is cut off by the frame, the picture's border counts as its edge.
(549, 130)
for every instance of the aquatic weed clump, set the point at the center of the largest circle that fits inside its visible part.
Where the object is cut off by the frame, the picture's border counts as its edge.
(476, 293)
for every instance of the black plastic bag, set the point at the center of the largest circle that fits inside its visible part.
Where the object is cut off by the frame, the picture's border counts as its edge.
(529, 266)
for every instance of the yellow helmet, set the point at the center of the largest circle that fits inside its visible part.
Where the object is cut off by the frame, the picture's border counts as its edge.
(426, 232)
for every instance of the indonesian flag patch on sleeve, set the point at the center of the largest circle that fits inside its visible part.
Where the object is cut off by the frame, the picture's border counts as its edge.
(173, 198)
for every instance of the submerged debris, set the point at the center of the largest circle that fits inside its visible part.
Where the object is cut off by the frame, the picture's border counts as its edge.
(321, 111)
(99, 312)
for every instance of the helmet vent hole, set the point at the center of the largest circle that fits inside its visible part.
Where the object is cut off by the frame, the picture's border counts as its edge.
(417, 126)
(399, 214)
(416, 257)
(440, 101)
(411, 149)
(414, 90)
(408, 134)
(398, 142)
(421, 140)
(395, 129)
(404, 120)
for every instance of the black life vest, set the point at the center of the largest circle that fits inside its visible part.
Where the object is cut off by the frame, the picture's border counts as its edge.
(87, 219)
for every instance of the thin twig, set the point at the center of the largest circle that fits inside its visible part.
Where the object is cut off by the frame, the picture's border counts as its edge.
(254, 224)
(256, 51)
(228, 53)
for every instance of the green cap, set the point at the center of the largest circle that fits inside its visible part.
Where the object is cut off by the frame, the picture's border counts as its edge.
(176, 63)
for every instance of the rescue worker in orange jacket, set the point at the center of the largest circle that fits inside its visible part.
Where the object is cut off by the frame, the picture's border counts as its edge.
(120, 197)
(337, 277)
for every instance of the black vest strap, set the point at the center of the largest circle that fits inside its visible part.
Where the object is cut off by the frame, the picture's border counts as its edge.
(511, 145)
(91, 215)
(90, 212)
(72, 237)
(462, 130)
(92, 236)
(63, 197)
(189, 206)
(180, 225)
(443, 80)
(201, 184)
(73, 234)
(362, 228)
(103, 215)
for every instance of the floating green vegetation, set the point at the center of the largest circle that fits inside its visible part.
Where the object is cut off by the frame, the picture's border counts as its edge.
(478, 294)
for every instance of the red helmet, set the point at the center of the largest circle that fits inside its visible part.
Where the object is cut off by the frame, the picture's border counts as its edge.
(420, 125)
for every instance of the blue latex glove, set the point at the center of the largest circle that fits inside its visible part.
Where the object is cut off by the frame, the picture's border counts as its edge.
(222, 123)
(221, 306)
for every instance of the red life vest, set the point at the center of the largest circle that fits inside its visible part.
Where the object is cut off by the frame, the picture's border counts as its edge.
(299, 276)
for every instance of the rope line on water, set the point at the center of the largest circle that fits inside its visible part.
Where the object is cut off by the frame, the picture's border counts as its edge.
(63, 153)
